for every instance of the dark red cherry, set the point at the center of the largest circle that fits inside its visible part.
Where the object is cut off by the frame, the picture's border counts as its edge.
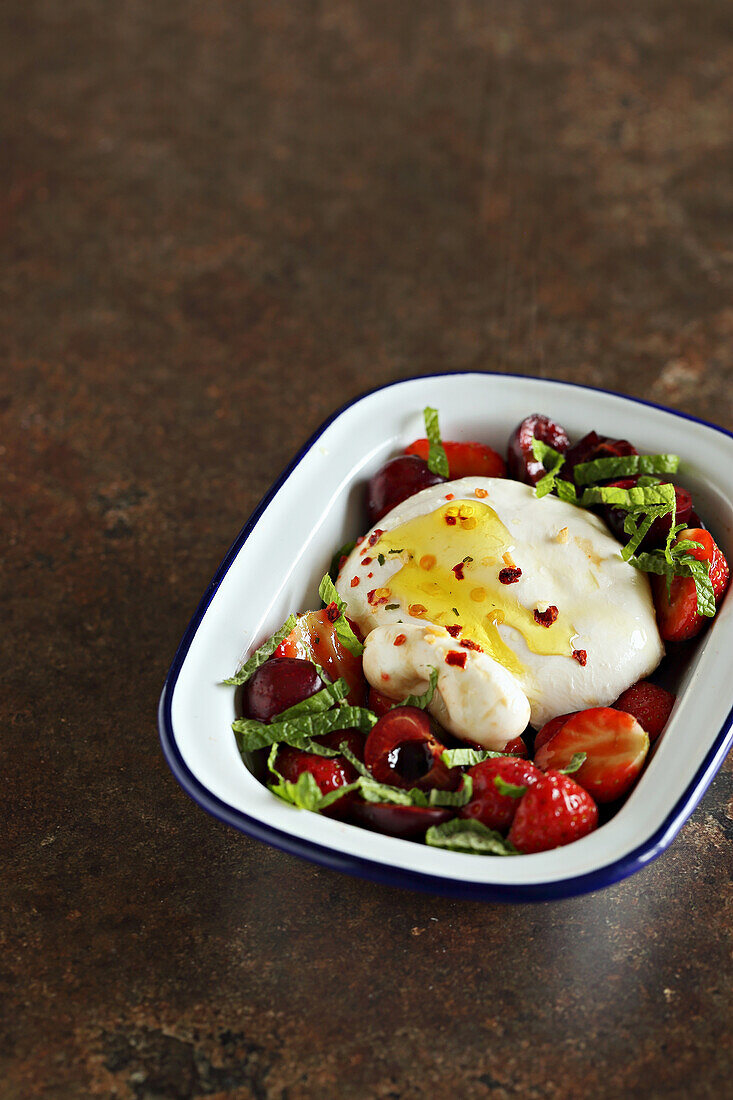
(402, 750)
(397, 480)
(278, 684)
(354, 740)
(522, 464)
(379, 703)
(593, 446)
(408, 822)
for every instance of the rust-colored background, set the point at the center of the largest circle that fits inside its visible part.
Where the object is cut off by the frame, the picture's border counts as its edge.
(219, 220)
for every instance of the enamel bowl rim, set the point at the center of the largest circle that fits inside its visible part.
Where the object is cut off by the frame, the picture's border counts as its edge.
(374, 869)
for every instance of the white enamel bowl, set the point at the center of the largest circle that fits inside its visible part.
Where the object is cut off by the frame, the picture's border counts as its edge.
(285, 547)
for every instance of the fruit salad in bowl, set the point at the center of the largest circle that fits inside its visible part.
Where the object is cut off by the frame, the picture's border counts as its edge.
(486, 673)
(537, 668)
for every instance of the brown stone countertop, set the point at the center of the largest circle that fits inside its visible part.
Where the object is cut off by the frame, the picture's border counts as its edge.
(218, 221)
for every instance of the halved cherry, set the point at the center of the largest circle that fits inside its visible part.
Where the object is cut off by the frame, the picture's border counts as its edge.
(593, 446)
(379, 703)
(397, 480)
(278, 684)
(402, 750)
(408, 822)
(522, 464)
(517, 747)
(314, 639)
(464, 459)
(615, 745)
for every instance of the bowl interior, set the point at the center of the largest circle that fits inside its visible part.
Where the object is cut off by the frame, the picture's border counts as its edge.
(278, 563)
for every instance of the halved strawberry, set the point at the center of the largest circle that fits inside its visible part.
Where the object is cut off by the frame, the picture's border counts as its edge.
(650, 705)
(488, 805)
(550, 729)
(615, 747)
(553, 812)
(464, 459)
(329, 772)
(314, 639)
(677, 615)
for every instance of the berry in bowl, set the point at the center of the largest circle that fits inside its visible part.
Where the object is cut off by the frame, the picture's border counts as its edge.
(481, 703)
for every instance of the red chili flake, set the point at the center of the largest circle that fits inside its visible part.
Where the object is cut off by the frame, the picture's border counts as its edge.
(375, 536)
(451, 520)
(468, 644)
(458, 570)
(342, 561)
(370, 595)
(581, 656)
(546, 618)
(400, 639)
(450, 496)
(453, 657)
(366, 561)
(385, 676)
(354, 582)
(332, 612)
(454, 631)
(510, 576)
(370, 574)
(373, 598)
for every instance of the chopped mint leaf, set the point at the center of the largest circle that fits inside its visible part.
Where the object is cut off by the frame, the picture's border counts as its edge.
(552, 460)
(455, 612)
(343, 552)
(437, 458)
(647, 480)
(463, 835)
(342, 626)
(422, 701)
(261, 655)
(391, 607)
(354, 761)
(608, 469)
(681, 565)
(329, 696)
(299, 732)
(576, 762)
(638, 498)
(513, 790)
(566, 491)
(381, 559)
(372, 791)
(396, 551)
(459, 758)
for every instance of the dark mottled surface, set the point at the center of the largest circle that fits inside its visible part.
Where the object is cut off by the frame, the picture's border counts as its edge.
(218, 221)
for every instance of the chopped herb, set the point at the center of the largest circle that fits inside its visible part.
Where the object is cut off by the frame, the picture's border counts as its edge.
(466, 559)
(458, 758)
(299, 732)
(513, 790)
(607, 469)
(391, 606)
(329, 696)
(437, 458)
(463, 835)
(566, 491)
(455, 612)
(576, 761)
(261, 655)
(344, 632)
(552, 461)
(422, 701)
(381, 559)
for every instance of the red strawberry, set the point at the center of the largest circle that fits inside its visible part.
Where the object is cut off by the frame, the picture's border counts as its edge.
(650, 705)
(329, 772)
(464, 459)
(615, 745)
(677, 615)
(554, 811)
(550, 729)
(487, 804)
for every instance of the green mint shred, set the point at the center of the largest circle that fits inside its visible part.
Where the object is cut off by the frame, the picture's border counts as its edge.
(437, 458)
(463, 835)
(342, 626)
(576, 762)
(609, 469)
(422, 701)
(460, 758)
(261, 655)
(552, 461)
(329, 696)
(299, 732)
(513, 790)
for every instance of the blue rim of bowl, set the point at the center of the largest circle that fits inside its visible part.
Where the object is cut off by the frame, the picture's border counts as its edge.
(374, 870)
